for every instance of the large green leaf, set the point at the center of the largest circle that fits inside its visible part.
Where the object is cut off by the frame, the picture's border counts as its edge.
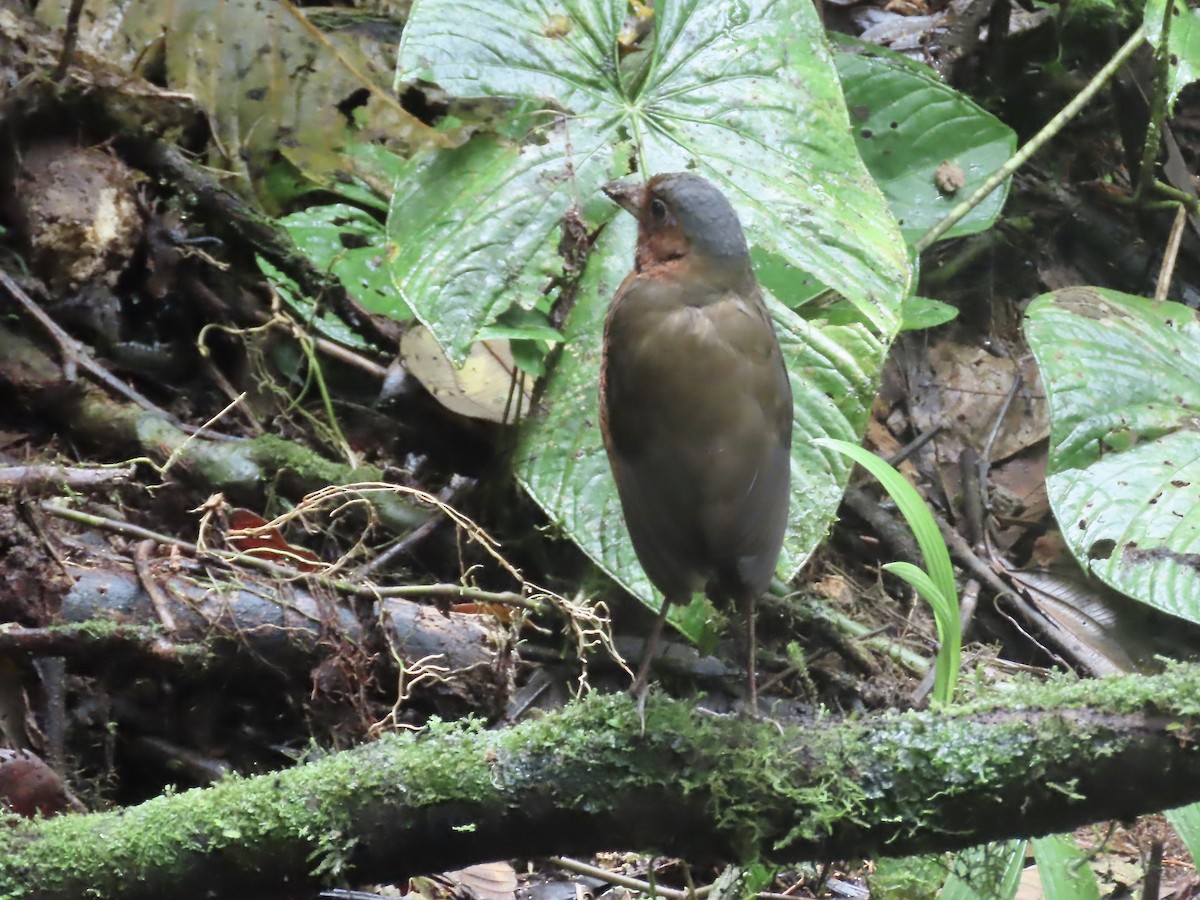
(915, 132)
(1183, 43)
(349, 243)
(1063, 869)
(1186, 822)
(744, 94)
(563, 464)
(986, 872)
(1122, 376)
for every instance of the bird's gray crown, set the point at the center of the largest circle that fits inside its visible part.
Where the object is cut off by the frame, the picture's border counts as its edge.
(705, 215)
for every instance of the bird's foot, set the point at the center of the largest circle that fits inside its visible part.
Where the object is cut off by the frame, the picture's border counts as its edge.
(639, 691)
(640, 696)
(748, 707)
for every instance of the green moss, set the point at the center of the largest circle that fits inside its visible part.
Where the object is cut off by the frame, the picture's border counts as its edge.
(769, 791)
(1085, 17)
(1176, 691)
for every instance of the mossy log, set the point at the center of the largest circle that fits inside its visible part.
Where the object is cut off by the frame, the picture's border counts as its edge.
(1040, 759)
(242, 470)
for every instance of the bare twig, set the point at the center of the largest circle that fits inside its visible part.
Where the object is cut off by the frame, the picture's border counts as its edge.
(273, 568)
(76, 477)
(1014, 389)
(449, 495)
(74, 355)
(914, 445)
(141, 562)
(70, 39)
(985, 458)
(1039, 140)
(1170, 254)
(634, 884)
(82, 641)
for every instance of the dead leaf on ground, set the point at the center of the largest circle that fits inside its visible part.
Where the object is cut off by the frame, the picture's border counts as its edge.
(487, 387)
(966, 390)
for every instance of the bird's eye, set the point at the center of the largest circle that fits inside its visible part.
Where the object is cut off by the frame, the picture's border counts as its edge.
(658, 210)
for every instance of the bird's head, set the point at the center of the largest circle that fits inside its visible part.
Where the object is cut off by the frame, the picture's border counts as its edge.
(682, 215)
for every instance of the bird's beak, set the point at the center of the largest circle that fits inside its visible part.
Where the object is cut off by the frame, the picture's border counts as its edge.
(627, 195)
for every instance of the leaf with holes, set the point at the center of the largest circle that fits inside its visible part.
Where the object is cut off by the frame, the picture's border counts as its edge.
(1122, 377)
(928, 145)
(1183, 43)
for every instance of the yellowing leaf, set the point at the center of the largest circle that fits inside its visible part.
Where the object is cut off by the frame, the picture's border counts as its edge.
(488, 386)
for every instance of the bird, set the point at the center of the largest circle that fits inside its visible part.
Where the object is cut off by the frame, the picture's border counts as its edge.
(695, 405)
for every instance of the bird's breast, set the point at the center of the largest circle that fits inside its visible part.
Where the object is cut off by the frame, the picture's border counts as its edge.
(701, 368)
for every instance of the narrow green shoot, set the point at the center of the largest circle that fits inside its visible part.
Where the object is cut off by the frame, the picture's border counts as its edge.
(945, 616)
(936, 582)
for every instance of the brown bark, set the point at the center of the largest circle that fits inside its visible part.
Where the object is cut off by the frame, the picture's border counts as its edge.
(255, 623)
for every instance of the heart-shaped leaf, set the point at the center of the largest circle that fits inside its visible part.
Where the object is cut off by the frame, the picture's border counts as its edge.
(743, 93)
(1122, 376)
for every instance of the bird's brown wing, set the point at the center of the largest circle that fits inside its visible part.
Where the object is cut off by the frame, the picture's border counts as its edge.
(747, 483)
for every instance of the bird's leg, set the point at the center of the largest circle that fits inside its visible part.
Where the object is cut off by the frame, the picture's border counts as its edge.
(751, 657)
(643, 673)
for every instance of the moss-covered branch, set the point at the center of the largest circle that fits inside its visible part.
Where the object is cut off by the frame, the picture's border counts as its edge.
(692, 784)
